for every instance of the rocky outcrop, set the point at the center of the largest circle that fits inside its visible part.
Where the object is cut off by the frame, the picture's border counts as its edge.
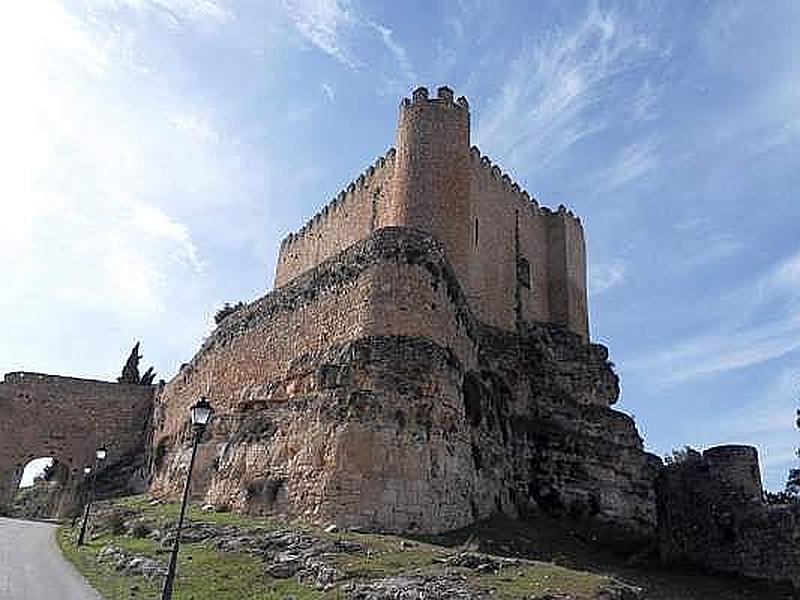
(366, 394)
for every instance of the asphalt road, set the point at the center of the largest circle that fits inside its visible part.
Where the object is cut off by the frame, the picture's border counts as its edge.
(32, 568)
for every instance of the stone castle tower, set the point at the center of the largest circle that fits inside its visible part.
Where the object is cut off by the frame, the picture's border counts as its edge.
(516, 261)
(423, 361)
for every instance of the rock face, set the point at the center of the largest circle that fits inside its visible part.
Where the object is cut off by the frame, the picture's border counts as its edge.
(711, 513)
(365, 393)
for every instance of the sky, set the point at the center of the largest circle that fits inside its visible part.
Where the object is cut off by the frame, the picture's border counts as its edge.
(155, 152)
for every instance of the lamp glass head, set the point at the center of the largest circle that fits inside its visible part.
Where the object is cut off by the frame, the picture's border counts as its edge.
(87, 470)
(201, 412)
(101, 453)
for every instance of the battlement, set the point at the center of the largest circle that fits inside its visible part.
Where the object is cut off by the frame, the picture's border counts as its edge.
(346, 195)
(444, 97)
(517, 260)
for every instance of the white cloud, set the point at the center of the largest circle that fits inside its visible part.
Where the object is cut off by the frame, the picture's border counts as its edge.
(196, 12)
(633, 162)
(334, 26)
(324, 23)
(561, 90)
(732, 346)
(766, 421)
(604, 276)
(194, 125)
(645, 101)
(710, 250)
(150, 220)
(104, 180)
(721, 351)
(398, 52)
(787, 274)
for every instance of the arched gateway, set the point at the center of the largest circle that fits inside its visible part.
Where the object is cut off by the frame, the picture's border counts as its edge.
(68, 418)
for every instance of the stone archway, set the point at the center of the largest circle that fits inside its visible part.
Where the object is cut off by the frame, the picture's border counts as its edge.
(67, 418)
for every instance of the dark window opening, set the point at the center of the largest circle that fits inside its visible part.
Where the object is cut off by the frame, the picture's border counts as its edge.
(524, 273)
(476, 231)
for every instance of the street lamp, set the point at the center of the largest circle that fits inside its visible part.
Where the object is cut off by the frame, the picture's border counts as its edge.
(201, 414)
(99, 456)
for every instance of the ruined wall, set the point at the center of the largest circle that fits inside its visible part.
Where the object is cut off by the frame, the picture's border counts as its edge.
(711, 513)
(366, 393)
(68, 418)
(516, 262)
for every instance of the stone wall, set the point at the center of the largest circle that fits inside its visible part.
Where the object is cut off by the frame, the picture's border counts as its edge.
(364, 206)
(711, 513)
(68, 418)
(515, 261)
(366, 393)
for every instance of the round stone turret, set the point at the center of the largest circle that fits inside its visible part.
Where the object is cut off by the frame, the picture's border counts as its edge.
(431, 181)
(737, 467)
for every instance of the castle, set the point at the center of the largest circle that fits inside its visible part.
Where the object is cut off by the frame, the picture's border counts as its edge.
(515, 261)
(423, 326)
(422, 363)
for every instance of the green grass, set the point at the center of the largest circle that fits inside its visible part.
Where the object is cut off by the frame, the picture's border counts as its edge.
(206, 574)
(203, 574)
(107, 582)
(542, 579)
(554, 559)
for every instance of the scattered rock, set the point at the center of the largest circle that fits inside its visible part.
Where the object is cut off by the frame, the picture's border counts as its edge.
(285, 565)
(418, 587)
(130, 563)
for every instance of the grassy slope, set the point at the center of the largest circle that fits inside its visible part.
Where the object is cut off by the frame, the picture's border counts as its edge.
(561, 562)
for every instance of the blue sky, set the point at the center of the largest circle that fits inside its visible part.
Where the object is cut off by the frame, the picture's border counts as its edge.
(156, 151)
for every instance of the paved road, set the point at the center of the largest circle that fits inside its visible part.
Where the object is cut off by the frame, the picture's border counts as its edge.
(32, 568)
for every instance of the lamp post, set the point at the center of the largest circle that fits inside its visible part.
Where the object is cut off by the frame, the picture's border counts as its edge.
(99, 456)
(201, 414)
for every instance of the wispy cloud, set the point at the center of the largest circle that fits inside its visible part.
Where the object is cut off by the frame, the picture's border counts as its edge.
(766, 421)
(178, 12)
(732, 346)
(325, 23)
(710, 250)
(91, 209)
(633, 162)
(562, 90)
(398, 52)
(604, 276)
(645, 101)
(151, 221)
(335, 26)
(721, 351)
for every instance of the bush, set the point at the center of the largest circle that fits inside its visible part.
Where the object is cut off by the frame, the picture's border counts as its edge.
(227, 310)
